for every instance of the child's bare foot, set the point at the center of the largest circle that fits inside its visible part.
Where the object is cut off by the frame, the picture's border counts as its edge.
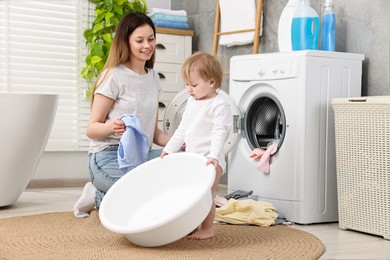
(201, 234)
(193, 231)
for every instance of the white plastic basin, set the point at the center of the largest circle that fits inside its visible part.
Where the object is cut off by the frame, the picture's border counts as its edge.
(161, 200)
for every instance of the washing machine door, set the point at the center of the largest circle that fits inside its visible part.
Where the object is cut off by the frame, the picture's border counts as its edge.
(175, 110)
(263, 122)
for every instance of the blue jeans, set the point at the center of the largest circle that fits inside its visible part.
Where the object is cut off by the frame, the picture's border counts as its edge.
(104, 170)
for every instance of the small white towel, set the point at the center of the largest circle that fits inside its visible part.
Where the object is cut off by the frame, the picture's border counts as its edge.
(234, 18)
(153, 11)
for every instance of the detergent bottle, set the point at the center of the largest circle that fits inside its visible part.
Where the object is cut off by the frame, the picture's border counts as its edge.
(305, 27)
(328, 26)
(284, 28)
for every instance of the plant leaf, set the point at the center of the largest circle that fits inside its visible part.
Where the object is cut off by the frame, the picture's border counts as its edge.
(118, 10)
(98, 49)
(108, 17)
(95, 59)
(107, 37)
(97, 27)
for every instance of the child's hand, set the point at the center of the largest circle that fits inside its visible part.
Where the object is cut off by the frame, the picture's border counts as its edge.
(119, 127)
(213, 162)
(163, 154)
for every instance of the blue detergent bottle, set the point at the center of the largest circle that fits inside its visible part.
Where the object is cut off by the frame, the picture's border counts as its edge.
(305, 28)
(328, 26)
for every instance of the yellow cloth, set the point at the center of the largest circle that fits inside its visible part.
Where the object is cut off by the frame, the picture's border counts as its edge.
(246, 212)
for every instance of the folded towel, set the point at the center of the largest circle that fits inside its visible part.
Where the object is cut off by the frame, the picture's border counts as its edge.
(153, 11)
(234, 19)
(133, 146)
(169, 18)
(175, 25)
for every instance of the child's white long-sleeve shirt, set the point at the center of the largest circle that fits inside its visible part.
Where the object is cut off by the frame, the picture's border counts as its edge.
(204, 128)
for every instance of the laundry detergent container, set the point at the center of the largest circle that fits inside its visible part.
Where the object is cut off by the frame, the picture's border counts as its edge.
(362, 128)
(161, 200)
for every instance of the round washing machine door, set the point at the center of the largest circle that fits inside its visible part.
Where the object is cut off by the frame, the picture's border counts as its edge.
(264, 122)
(175, 110)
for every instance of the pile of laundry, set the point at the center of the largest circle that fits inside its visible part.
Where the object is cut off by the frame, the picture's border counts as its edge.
(167, 18)
(240, 209)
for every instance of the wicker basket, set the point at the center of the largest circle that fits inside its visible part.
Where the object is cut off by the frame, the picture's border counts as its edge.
(362, 131)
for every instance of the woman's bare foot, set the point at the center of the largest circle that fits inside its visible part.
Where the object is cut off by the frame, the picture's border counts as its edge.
(201, 234)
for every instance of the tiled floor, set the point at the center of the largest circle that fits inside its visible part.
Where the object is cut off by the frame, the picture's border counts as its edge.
(339, 244)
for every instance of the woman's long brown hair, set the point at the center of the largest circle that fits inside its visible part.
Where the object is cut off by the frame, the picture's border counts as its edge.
(120, 48)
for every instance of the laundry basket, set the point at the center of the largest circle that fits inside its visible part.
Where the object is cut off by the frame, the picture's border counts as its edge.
(362, 131)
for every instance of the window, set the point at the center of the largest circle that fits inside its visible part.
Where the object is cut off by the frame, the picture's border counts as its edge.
(42, 50)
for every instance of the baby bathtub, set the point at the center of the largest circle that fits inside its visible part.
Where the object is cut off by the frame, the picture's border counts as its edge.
(161, 200)
(27, 120)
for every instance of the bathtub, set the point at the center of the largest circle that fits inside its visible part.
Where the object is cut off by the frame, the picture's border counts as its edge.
(26, 122)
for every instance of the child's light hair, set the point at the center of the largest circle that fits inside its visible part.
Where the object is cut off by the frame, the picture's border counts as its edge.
(206, 65)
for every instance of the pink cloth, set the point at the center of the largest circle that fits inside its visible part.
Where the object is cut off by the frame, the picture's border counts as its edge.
(257, 153)
(264, 155)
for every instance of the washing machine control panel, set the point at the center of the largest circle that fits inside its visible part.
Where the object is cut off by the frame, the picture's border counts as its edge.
(276, 68)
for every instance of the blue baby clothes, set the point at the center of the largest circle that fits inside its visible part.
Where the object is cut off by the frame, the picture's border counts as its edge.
(133, 146)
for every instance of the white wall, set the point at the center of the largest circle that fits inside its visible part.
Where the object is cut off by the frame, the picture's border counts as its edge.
(62, 165)
(166, 4)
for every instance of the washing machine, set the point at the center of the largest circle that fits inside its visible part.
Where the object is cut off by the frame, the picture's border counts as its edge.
(284, 98)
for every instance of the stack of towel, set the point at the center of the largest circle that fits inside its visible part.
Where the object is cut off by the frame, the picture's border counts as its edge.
(176, 19)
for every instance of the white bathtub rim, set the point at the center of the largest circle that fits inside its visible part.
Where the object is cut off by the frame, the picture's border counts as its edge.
(11, 190)
(16, 94)
(121, 229)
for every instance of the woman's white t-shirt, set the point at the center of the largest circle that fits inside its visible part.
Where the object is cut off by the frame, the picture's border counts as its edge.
(133, 93)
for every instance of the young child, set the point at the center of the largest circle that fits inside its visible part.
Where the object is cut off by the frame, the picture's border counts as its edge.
(205, 124)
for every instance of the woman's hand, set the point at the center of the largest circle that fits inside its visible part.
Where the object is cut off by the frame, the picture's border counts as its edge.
(119, 127)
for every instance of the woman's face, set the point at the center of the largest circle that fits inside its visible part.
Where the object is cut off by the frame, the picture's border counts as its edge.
(142, 43)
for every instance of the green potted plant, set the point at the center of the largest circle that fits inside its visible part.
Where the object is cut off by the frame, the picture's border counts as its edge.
(99, 38)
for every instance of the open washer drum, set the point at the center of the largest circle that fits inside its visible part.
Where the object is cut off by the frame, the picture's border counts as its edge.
(262, 124)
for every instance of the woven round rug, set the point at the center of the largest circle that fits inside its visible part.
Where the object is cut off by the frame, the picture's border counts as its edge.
(62, 236)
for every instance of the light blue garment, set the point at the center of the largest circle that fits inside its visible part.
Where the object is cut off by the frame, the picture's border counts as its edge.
(167, 24)
(169, 18)
(133, 146)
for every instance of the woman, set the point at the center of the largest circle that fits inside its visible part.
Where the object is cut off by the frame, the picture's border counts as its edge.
(127, 85)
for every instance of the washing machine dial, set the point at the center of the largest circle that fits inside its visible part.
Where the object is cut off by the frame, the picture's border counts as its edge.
(261, 71)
